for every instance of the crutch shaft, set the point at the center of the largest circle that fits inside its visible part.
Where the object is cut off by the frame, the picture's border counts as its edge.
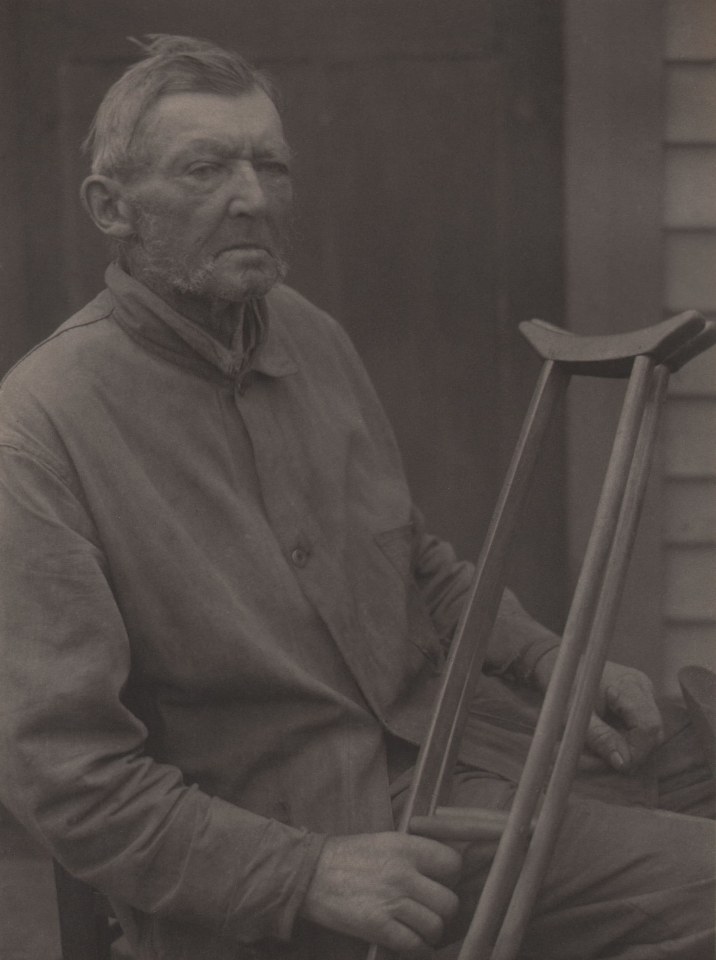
(590, 673)
(469, 645)
(471, 637)
(512, 849)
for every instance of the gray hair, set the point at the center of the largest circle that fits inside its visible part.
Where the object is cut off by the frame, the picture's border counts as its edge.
(171, 64)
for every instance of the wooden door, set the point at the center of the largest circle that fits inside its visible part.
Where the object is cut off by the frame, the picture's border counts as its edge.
(427, 142)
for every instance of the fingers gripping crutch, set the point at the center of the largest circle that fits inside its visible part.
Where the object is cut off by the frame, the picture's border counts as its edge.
(646, 358)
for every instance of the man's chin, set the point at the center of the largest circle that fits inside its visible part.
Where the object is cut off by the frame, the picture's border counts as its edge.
(248, 284)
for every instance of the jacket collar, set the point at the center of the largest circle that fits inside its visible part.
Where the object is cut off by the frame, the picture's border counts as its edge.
(145, 316)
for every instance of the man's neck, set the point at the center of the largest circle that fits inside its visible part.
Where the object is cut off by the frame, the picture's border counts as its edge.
(220, 318)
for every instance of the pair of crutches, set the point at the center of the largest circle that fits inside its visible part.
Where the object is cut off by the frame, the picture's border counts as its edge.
(528, 833)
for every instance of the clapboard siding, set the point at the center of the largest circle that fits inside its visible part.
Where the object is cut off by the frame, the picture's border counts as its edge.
(614, 71)
(690, 103)
(689, 197)
(697, 379)
(690, 596)
(690, 515)
(689, 449)
(690, 30)
(688, 643)
(690, 273)
(690, 432)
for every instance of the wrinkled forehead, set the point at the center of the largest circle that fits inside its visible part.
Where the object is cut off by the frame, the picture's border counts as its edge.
(243, 123)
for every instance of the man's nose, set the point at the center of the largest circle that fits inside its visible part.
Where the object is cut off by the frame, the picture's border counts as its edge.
(247, 195)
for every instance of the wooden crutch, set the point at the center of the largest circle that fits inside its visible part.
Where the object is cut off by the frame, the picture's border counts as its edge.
(646, 358)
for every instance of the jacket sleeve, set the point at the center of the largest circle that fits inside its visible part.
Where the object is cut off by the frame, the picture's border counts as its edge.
(74, 770)
(517, 641)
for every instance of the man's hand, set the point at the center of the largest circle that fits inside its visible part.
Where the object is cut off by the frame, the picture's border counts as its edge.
(626, 699)
(386, 888)
(626, 725)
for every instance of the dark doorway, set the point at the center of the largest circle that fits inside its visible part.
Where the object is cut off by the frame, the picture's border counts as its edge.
(427, 136)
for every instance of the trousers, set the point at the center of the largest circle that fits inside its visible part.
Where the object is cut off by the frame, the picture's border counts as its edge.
(632, 875)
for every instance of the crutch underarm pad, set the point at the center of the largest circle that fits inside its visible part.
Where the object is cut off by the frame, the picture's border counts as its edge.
(612, 355)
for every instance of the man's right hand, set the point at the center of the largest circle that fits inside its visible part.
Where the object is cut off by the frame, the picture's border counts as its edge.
(387, 888)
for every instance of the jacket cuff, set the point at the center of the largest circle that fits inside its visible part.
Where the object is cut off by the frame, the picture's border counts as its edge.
(267, 910)
(301, 882)
(518, 641)
(524, 666)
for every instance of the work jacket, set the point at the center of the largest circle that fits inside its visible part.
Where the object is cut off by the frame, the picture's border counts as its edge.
(216, 600)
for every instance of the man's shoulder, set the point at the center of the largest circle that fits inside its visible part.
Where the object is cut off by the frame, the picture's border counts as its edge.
(310, 328)
(319, 345)
(289, 306)
(64, 345)
(55, 380)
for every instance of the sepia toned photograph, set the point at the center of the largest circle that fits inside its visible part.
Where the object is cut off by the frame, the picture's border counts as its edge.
(358, 480)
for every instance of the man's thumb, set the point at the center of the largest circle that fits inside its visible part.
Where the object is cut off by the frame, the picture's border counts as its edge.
(608, 744)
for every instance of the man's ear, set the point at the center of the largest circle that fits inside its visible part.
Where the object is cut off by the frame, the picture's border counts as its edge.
(105, 201)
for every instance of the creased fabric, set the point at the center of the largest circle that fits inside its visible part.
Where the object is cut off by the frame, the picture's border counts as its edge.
(216, 597)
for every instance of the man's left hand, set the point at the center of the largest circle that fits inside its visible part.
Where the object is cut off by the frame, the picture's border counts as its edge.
(627, 724)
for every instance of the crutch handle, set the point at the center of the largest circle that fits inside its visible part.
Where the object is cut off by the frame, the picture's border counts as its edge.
(612, 355)
(461, 823)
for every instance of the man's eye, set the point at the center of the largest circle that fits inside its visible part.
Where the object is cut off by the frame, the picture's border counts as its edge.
(203, 171)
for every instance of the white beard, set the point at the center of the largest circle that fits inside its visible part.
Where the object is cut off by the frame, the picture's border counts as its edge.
(155, 259)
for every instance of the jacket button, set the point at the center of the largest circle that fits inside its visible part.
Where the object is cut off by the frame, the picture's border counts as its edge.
(299, 557)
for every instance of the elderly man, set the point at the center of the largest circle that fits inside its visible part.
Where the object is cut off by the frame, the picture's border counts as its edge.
(223, 621)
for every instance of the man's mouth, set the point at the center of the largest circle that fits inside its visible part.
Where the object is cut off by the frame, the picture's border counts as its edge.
(245, 246)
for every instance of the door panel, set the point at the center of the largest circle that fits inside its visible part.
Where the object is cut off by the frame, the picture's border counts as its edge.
(415, 229)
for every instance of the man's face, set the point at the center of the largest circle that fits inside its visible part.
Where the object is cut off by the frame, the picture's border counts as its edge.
(211, 206)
